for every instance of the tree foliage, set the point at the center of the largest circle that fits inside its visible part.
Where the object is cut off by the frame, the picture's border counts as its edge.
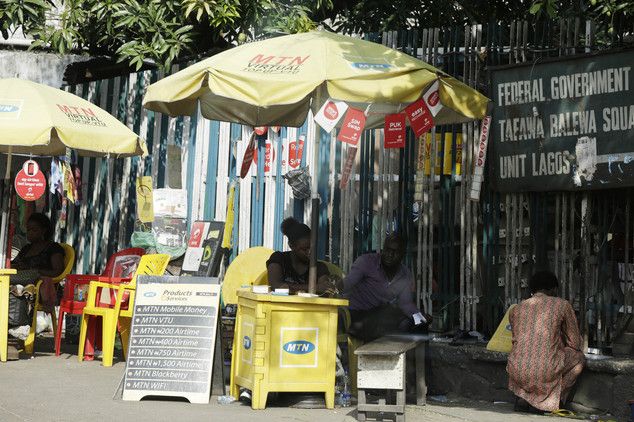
(160, 31)
(380, 15)
(26, 14)
(164, 31)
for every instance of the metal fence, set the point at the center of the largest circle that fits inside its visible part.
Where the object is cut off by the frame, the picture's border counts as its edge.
(471, 259)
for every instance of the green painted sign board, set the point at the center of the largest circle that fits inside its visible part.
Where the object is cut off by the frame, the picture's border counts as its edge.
(564, 125)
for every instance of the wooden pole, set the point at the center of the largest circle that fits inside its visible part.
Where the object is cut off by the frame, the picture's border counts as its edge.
(314, 216)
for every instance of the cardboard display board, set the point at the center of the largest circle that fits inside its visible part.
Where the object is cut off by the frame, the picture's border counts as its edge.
(203, 254)
(172, 338)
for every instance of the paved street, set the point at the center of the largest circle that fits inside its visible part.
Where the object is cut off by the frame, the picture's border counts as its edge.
(60, 389)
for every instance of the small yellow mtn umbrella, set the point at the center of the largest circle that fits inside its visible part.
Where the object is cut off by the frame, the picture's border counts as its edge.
(41, 120)
(276, 82)
(36, 119)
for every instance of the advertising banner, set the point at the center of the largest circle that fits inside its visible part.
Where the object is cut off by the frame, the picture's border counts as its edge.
(394, 131)
(352, 127)
(432, 98)
(330, 113)
(420, 118)
(30, 183)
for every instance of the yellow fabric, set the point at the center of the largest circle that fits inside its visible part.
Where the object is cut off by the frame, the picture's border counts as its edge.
(145, 205)
(243, 271)
(502, 338)
(41, 120)
(226, 237)
(272, 82)
(4, 311)
(69, 262)
(150, 264)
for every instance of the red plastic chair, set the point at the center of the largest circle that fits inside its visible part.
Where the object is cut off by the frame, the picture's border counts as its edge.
(117, 266)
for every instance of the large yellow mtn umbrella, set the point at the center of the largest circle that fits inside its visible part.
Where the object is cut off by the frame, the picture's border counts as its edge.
(276, 82)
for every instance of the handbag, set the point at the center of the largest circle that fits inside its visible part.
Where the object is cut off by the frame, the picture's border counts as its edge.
(18, 311)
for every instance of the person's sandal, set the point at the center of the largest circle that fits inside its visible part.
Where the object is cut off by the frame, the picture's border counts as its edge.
(563, 413)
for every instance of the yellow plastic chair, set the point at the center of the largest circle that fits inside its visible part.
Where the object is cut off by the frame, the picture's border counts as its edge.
(69, 261)
(4, 311)
(245, 270)
(153, 264)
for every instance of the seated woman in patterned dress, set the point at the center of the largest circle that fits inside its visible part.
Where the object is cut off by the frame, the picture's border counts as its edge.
(546, 356)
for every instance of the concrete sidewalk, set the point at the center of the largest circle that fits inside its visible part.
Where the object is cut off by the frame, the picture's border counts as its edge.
(46, 388)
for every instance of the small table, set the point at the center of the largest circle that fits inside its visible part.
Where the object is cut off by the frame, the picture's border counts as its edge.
(382, 365)
(4, 312)
(284, 344)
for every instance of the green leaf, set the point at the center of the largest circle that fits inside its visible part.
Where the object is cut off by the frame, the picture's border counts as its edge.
(535, 8)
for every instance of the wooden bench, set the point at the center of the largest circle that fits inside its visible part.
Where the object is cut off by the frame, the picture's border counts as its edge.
(382, 365)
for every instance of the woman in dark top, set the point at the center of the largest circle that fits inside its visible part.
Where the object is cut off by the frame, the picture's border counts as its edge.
(41, 257)
(289, 270)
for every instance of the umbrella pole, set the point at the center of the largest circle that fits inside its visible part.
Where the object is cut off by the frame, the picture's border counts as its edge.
(314, 216)
(5, 194)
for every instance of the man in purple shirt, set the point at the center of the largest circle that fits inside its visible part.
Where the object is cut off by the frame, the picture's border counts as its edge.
(381, 293)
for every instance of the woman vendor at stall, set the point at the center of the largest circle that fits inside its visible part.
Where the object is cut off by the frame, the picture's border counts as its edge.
(289, 270)
(41, 257)
(546, 356)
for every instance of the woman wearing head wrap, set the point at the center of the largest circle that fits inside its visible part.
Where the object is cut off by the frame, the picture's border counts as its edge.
(289, 270)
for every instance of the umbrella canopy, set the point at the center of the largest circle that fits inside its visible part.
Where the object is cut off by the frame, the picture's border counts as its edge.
(41, 120)
(276, 82)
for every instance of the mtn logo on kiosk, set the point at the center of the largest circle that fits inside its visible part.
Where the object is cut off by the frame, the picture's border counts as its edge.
(299, 347)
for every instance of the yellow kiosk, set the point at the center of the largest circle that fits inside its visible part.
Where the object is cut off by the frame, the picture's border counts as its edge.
(284, 344)
(4, 312)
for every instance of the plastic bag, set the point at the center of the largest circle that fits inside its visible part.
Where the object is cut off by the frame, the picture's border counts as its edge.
(299, 181)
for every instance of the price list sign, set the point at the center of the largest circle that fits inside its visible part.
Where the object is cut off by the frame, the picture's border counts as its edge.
(172, 338)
